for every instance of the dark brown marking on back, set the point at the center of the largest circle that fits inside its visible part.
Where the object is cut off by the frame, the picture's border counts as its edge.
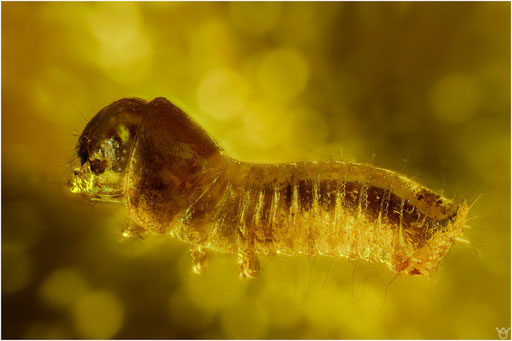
(363, 200)
(351, 196)
(305, 192)
(265, 213)
(323, 195)
(393, 213)
(427, 196)
(327, 195)
(374, 199)
(286, 192)
(410, 215)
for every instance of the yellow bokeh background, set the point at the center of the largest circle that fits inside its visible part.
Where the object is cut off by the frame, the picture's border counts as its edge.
(420, 88)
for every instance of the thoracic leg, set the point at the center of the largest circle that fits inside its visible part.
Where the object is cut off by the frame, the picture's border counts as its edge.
(247, 259)
(249, 264)
(199, 260)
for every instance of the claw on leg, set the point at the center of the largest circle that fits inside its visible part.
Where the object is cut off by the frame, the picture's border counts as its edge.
(249, 265)
(199, 260)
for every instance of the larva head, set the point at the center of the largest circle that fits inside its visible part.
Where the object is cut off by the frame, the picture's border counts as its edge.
(436, 239)
(104, 149)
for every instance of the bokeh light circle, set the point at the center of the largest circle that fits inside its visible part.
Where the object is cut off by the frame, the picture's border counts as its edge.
(455, 98)
(63, 288)
(222, 94)
(255, 18)
(283, 74)
(16, 269)
(98, 315)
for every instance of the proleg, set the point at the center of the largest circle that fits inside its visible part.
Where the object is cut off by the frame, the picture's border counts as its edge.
(174, 179)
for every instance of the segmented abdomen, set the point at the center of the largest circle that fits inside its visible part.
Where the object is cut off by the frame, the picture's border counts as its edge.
(329, 208)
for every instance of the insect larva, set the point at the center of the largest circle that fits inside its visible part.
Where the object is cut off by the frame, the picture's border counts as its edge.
(174, 179)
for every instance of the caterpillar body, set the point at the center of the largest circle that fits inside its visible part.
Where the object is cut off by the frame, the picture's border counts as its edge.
(174, 179)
